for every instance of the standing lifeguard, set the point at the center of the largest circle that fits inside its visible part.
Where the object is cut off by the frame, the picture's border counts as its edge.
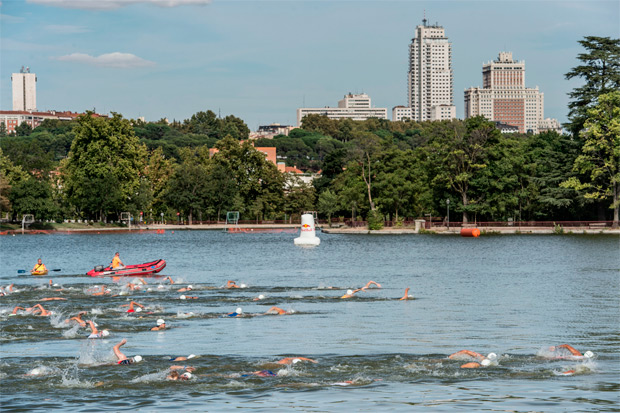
(117, 264)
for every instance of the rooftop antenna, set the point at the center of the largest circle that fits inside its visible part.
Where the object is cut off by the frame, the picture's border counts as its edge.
(219, 113)
(424, 19)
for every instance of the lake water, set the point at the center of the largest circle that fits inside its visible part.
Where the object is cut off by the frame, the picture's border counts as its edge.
(512, 295)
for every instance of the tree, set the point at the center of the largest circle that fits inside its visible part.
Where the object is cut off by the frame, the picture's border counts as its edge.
(601, 72)
(299, 196)
(221, 188)
(106, 161)
(600, 153)
(23, 129)
(159, 170)
(188, 187)
(329, 202)
(461, 154)
(32, 196)
(366, 147)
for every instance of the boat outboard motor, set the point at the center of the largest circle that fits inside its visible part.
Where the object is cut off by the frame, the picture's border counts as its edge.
(99, 268)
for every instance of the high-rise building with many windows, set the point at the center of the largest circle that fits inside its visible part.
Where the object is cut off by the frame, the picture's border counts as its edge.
(24, 90)
(429, 80)
(504, 98)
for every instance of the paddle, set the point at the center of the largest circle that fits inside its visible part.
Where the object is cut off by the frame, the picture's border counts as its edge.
(24, 271)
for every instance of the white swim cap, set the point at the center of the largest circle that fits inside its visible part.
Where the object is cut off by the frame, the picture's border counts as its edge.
(149, 289)
(138, 309)
(182, 297)
(137, 359)
(191, 356)
(492, 356)
(588, 354)
(349, 292)
(160, 286)
(187, 375)
(108, 290)
(485, 362)
(261, 297)
(161, 321)
(295, 361)
(189, 287)
(238, 310)
(243, 286)
(105, 333)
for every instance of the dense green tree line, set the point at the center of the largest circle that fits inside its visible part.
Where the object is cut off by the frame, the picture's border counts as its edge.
(95, 168)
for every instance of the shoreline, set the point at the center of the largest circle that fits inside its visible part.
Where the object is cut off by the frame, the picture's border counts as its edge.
(258, 228)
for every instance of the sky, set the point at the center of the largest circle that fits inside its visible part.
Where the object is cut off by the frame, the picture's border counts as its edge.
(261, 60)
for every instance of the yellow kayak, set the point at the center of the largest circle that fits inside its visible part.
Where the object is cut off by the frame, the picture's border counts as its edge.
(44, 272)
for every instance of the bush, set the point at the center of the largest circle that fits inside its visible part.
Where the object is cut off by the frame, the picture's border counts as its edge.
(375, 220)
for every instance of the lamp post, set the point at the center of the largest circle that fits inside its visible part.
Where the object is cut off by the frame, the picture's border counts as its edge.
(448, 204)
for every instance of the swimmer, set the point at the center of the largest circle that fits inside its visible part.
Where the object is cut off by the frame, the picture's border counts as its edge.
(562, 350)
(188, 297)
(20, 308)
(188, 288)
(161, 325)
(53, 299)
(169, 279)
(351, 293)
(480, 360)
(295, 360)
(103, 291)
(175, 375)
(78, 319)
(276, 311)
(237, 313)
(406, 296)
(38, 309)
(96, 333)
(131, 305)
(189, 369)
(181, 358)
(231, 284)
(122, 359)
(369, 283)
(260, 373)
(260, 297)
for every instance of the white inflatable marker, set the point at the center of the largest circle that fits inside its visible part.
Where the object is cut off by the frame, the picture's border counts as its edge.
(308, 232)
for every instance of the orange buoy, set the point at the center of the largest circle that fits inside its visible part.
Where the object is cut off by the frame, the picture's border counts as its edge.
(470, 232)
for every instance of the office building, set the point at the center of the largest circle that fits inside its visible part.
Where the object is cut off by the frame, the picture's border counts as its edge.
(24, 90)
(504, 98)
(429, 80)
(352, 106)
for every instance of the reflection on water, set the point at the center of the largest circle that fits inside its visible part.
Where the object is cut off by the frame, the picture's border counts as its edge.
(512, 295)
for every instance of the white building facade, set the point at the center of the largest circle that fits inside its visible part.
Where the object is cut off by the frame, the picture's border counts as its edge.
(504, 98)
(352, 106)
(430, 80)
(24, 90)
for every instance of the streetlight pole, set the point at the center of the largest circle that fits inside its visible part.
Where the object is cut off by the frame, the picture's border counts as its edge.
(448, 204)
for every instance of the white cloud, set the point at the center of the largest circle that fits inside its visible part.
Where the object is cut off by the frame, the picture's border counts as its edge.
(115, 4)
(116, 59)
(66, 29)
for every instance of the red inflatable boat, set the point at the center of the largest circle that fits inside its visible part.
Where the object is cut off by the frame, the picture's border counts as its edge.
(130, 270)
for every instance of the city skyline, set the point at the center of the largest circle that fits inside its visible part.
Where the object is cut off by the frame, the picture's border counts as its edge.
(262, 60)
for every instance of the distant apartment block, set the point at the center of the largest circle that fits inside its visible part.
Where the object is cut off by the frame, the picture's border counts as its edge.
(352, 106)
(504, 98)
(429, 80)
(13, 118)
(550, 124)
(269, 131)
(24, 90)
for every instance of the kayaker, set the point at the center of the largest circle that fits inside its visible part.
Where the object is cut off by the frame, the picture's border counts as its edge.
(39, 268)
(117, 264)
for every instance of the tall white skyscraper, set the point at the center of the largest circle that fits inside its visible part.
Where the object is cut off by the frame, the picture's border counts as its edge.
(429, 81)
(24, 90)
